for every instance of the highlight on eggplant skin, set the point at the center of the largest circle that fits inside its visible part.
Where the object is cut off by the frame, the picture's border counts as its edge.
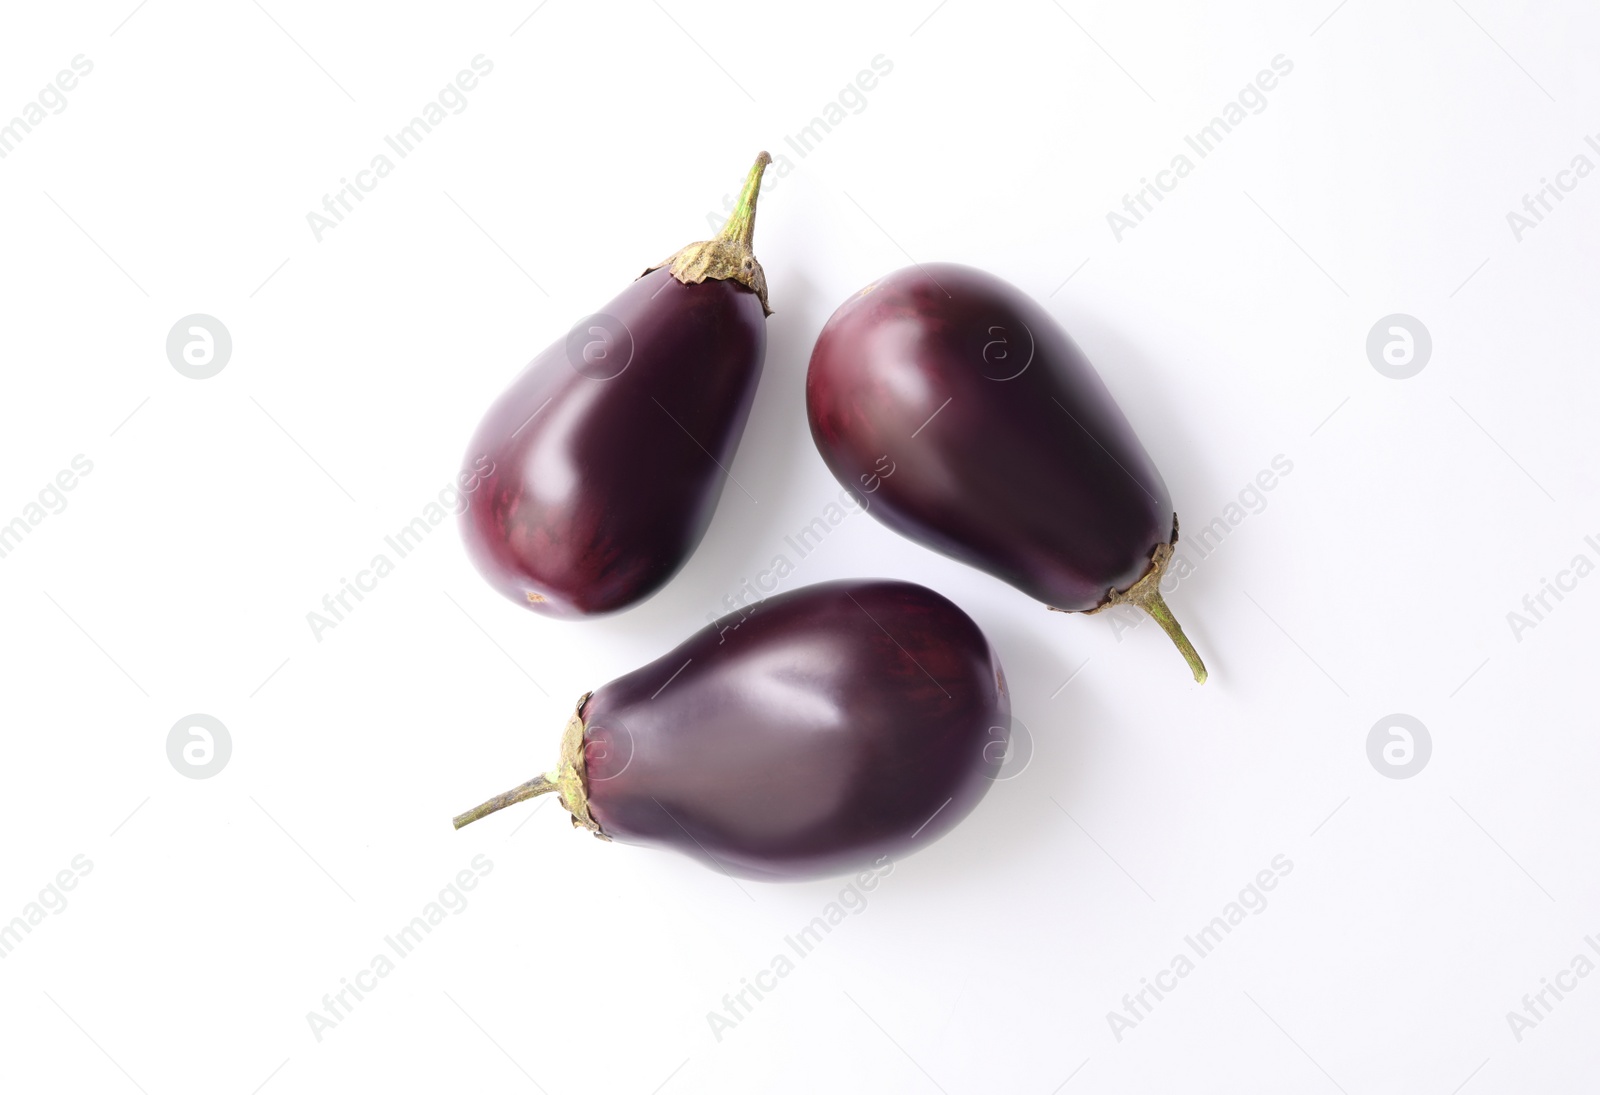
(981, 431)
(826, 728)
(609, 451)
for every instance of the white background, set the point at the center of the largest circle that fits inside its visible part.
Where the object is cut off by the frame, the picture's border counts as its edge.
(1231, 324)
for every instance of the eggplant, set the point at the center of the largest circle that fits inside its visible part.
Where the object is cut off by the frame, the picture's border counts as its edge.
(607, 454)
(981, 431)
(827, 727)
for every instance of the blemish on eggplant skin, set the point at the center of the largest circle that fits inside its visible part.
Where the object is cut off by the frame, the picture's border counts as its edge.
(535, 598)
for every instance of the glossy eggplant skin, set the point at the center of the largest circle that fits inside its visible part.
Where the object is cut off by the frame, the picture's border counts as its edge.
(603, 485)
(835, 724)
(975, 426)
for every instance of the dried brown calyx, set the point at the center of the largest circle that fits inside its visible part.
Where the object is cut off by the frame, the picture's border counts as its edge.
(728, 257)
(567, 780)
(1146, 594)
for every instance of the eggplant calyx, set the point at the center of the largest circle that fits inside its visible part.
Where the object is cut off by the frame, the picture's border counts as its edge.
(728, 257)
(1145, 594)
(572, 781)
(567, 780)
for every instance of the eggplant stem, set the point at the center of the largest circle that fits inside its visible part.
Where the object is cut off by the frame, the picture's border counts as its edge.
(728, 257)
(741, 226)
(567, 780)
(1157, 608)
(1146, 594)
(538, 785)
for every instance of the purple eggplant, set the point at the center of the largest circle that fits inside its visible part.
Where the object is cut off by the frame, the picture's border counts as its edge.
(609, 451)
(980, 430)
(828, 727)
